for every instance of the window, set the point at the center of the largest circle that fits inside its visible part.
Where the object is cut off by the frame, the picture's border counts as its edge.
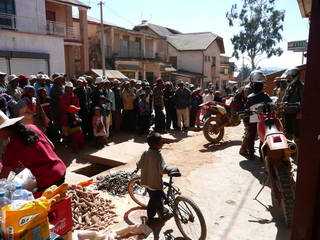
(7, 14)
(213, 61)
(51, 16)
(173, 61)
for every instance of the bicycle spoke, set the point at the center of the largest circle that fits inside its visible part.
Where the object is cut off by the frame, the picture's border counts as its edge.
(190, 224)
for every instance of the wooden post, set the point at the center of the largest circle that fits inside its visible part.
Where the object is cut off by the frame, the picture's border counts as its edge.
(306, 224)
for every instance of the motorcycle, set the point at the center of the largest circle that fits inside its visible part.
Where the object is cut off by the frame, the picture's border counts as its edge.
(276, 152)
(217, 117)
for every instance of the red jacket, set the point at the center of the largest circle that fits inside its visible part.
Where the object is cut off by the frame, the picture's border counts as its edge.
(40, 158)
(65, 102)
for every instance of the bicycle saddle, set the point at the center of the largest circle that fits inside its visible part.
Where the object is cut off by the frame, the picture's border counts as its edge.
(174, 174)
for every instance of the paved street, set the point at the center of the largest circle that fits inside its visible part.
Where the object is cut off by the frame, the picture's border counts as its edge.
(221, 182)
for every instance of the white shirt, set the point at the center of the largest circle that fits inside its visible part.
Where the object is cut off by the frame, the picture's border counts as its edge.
(208, 98)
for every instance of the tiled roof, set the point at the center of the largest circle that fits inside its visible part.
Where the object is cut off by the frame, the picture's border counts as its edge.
(160, 30)
(192, 41)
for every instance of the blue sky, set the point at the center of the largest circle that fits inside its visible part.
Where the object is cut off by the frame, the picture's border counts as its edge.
(202, 15)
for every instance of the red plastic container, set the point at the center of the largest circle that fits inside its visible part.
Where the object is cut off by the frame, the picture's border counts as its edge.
(60, 216)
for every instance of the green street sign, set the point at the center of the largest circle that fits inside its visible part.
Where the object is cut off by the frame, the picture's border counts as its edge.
(298, 46)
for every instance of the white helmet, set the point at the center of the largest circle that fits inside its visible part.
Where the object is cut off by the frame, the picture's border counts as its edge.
(293, 72)
(257, 76)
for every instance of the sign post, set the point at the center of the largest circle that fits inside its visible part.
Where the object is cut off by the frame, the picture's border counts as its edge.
(298, 46)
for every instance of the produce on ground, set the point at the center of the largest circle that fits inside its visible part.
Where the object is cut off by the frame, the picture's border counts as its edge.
(90, 211)
(115, 183)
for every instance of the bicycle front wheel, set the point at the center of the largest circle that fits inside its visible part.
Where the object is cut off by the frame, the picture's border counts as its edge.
(137, 192)
(189, 219)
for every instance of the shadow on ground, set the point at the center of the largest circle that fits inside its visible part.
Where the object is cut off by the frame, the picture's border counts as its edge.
(257, 169)
(209, 147)
(137, 215)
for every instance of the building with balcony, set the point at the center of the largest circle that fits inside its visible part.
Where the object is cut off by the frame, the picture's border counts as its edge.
(136, 54)
(196, 56)
(227, 69)
(39, 35)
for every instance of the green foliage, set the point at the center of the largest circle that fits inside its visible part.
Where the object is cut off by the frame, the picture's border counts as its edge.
(244, 72)
(260, 25)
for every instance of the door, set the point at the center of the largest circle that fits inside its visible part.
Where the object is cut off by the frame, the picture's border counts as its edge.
(28, 66)
(150, 77)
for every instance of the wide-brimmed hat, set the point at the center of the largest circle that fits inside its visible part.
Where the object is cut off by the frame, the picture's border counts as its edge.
(12, 77)
(6, 122)
(69, 84)
(2, 73)
(99, 80)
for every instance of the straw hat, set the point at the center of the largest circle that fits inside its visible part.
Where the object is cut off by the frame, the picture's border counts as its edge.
(6, 122)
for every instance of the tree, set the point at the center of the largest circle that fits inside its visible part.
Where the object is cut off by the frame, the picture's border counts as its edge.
(260, 25)
(244, 72)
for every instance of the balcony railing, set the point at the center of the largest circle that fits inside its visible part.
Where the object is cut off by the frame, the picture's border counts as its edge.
(130, 49)
(60, 29)
(35, 25)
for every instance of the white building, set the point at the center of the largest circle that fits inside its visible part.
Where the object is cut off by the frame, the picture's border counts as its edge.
(38, 35)
(196, 56)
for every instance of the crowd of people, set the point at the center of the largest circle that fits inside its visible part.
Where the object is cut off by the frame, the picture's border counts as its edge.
(87, 108)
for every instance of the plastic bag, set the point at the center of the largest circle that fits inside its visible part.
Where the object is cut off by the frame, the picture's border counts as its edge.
(26, 179)
(28, 222)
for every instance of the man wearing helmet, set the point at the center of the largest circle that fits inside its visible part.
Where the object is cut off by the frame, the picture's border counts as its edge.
(291, 100)
(254, 100)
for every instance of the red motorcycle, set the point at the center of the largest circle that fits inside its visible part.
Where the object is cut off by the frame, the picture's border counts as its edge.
(217, 116)
(276, 152)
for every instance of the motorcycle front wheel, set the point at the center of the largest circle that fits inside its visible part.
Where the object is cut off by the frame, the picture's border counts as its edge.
(212, 131)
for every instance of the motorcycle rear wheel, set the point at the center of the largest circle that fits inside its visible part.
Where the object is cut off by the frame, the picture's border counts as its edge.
(287, 190)
(212, 137)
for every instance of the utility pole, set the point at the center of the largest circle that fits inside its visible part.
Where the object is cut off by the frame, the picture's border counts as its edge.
(103, 55)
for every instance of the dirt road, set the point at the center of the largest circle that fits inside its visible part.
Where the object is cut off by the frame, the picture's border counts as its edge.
(223, 184)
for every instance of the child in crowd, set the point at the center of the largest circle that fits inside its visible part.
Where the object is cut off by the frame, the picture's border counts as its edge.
(152, 168)
(105, 113)
(73, 130)
(99, 130)
(143, 113)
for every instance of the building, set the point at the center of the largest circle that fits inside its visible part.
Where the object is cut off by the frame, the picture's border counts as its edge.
(195, 55)
(136, 54)
(39, 35)
(227, 69)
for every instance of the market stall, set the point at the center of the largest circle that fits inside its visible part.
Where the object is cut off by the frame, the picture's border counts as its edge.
(62, 212)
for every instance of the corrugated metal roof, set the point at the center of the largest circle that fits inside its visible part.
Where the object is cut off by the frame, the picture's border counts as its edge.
(110, 74)
(192, 41)
(74, 2)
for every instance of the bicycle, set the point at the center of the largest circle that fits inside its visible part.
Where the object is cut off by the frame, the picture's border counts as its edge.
(186, 213)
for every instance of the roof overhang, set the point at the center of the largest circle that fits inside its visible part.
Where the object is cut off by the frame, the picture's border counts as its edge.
(110, 74)
(75, 3)
(305, 7)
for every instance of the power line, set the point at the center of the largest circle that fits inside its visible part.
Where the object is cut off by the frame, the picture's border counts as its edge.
(118, 15)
